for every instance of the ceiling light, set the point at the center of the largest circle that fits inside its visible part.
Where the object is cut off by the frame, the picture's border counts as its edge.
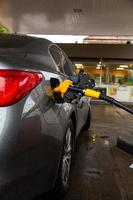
(98, 67)
(78, 65)
(118, 68)
(100, 62)
(123, 66)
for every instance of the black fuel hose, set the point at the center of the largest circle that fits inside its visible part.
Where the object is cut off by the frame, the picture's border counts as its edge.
(103, 97)
(115, 102)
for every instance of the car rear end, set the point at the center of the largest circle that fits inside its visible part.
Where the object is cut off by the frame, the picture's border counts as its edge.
(29, 149)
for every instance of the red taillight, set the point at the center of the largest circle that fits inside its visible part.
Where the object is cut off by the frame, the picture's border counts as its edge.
(14, 85)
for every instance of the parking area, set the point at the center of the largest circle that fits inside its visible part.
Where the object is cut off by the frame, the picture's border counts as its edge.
(101, 170)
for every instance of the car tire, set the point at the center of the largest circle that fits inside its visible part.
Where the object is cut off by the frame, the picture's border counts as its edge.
(63, 179)
(88, 121)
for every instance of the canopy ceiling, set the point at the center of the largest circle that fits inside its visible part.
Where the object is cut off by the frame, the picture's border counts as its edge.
(86, 17)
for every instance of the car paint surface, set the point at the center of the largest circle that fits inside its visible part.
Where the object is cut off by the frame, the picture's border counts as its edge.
(32, 130)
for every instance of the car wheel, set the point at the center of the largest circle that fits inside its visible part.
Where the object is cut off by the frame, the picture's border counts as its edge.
(88, 121)
(65, 163)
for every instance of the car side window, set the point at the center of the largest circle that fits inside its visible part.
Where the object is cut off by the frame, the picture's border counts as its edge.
(68, 67)
(58, 57)
(64, 65)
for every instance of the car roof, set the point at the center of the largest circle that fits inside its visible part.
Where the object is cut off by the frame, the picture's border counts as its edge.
(31, 49)
(17, 40)
(22, 44)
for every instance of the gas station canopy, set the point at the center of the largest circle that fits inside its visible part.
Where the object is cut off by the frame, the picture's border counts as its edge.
(82, 17)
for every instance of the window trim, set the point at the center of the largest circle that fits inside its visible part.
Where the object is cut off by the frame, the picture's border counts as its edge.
(58, 70)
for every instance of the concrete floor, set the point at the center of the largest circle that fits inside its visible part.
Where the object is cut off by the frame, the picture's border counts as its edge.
(100, 170)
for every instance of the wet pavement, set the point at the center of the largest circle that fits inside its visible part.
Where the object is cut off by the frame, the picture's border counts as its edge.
(100, 170)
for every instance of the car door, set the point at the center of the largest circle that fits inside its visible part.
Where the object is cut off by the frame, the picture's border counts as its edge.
(83, 103)
(46, 139)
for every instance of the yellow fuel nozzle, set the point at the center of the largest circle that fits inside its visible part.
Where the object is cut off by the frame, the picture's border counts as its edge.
(91, 93)
(63, 87)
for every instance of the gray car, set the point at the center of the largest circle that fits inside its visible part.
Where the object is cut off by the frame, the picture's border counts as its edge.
(37, 133)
